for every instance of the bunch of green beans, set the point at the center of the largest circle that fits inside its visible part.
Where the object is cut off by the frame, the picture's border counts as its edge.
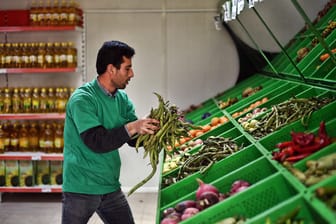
(172, 127)
(287, 112)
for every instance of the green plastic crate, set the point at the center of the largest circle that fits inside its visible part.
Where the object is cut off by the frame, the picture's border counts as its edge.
(256, 199)
(218, 170)
(307, 213)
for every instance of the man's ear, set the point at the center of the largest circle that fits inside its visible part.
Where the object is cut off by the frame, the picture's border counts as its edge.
(111, 69)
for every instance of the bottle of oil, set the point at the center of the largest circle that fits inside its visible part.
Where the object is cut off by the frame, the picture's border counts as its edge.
(43, 100)
(32, 52)
(49, 55)
(3, 136)
(71, 55)
(41, 128)
(33, 137)
(8, 55)
(48, 13)
(60, 100)
(7, 101)
(24, 55)
(72, 12)
(40, 14)
(41, 55)
(48, 137)
(63, 55)
(16, 101)
(51, 100)
(64, 17)
(57, 54)
(2, 100)
(23, 138)
(6, 127)
(59, 142)
(55, 14)
(27, 101)
(14, 137)
(33, 14)
(35, 100)
(16, 55)
(2, 55)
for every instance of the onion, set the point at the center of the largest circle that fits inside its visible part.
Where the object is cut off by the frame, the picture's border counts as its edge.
(168, 211)
(239, 184)
(169, 220)
(203, 187)
(207, 199)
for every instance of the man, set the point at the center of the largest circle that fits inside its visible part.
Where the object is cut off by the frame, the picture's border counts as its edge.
(100, 118)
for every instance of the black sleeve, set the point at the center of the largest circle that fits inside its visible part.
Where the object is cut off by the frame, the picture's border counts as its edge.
(101, 140)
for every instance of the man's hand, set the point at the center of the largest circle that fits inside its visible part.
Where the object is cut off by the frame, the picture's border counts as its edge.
(143, 126)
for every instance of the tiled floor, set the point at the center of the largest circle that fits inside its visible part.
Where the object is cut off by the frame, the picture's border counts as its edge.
(21, 208)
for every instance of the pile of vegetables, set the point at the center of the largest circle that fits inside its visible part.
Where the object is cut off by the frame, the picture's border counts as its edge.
(301, 145)
(289, 218)
(250, 107)
(206, 196)
(213, 149)
(172, 127)
(328, 195)
(285, 113)
(317, 170)
(232, 220)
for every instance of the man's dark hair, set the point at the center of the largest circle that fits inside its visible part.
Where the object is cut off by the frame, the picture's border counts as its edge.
(112, 52)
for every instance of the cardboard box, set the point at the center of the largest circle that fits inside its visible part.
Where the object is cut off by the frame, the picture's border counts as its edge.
(42, 172)
(14, 18)
(56, 172)
(12, 173)
(2, 173)
(26, 173)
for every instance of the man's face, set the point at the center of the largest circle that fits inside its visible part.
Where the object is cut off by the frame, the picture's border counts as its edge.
(122, 76)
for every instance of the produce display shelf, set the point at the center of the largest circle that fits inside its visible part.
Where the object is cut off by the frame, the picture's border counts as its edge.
(32, 116)
(31, 156)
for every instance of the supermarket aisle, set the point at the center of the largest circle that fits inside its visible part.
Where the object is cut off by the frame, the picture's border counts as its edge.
(22, 208)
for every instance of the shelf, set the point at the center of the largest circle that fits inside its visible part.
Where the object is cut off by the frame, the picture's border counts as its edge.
(32, 116)
(35, 189)
(31, 156)
(36, 70)
(38, 28)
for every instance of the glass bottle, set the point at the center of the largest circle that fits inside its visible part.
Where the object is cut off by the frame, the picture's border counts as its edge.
(60, 100)
(16, 101)
(23, 138)
(27, 101)
(49, 55)
(43, 100)
(72, 12)
(16, 55)
(41, 128)
(59, 142)
(51, 100)
(35, 100)
(33, 136)
(71, 55)
(41, 55)
(7, 101)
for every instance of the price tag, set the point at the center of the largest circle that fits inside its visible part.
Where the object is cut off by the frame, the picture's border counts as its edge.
(36, 157)
(46, 189)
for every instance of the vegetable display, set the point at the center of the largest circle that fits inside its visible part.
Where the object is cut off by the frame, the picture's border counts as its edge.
(206, 195)
(328, 195)
(317, 170)
(290, 218)
(213, 149)
(285, 113)
(172, 126)
(301, 145)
